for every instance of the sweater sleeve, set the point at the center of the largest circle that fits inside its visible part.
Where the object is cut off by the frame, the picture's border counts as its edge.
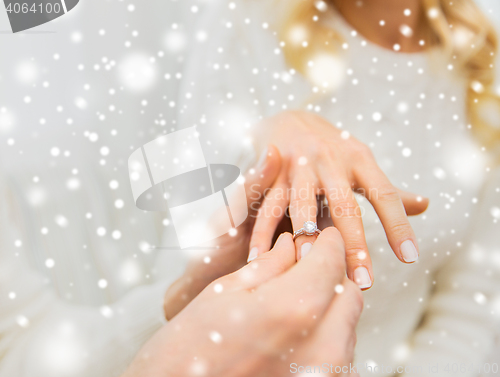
(42, 335)
(461, 324)
(60, 339)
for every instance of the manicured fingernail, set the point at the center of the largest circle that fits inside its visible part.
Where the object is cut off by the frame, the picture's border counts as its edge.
(304, 250)
(409, 251)
(254, 253)
(362, 277)
(262, 158)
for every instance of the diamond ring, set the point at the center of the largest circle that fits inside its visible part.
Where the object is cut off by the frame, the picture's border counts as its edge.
(310, 228)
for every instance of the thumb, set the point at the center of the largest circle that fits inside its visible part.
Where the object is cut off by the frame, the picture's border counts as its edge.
(266, 267)
(262, 177)
(414, 204)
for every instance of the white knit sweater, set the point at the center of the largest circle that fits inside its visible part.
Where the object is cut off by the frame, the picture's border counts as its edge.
(80, 286)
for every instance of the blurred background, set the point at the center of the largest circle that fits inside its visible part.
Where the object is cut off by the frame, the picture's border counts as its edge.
(77, 96)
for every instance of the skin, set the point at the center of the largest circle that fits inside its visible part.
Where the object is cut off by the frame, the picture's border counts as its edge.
(262, 311)
(232, 251)
(334, 166)
(334, 163)
(277, 296)
(365, 17)
(300, 134)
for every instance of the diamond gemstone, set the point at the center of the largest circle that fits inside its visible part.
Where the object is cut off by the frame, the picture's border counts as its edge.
(310, 226)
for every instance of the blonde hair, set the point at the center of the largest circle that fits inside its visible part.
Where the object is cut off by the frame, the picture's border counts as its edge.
(459, 28)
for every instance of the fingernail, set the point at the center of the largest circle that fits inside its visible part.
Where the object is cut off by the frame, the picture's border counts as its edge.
(362, 277)
(254, 253)
(262, 158)
(304, 250)
(409, 251)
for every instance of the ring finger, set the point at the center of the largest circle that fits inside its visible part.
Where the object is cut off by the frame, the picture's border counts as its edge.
(303, 209)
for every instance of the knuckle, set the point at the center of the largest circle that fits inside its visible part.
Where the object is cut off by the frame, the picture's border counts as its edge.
(322, 148)
(362, 149)
(349, 347)
(356, 250)
(288, 317)
(352, 321)
(353, 290)
(300, 201)
(352, 345)
(359, 300)
(305, 116)
(388, 194)
(303, 208)
(345, 208)
(277, 268)
(266, 205)
(259, 233)
(268, 214)
(400, 228)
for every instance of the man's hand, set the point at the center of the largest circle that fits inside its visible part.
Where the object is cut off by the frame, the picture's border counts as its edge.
(227, 253)
(262, 318)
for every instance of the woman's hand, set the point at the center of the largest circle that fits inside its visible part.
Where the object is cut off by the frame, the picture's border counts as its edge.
(263, 318)
(319, 158)
(229, 252)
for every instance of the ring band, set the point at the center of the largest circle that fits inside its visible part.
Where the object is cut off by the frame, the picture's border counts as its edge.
(310, 228)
